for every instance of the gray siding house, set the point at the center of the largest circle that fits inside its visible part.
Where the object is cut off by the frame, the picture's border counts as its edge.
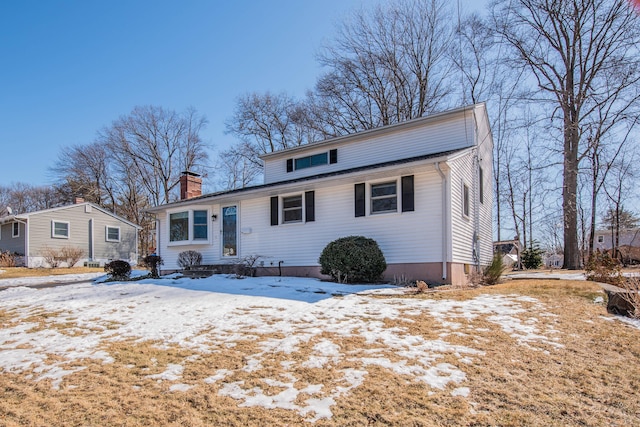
(101, 235)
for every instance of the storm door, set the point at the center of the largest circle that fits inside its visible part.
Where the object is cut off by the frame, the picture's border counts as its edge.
(230, 231)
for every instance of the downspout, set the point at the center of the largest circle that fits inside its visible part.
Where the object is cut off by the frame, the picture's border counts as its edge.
(91, 240)
(445, 212)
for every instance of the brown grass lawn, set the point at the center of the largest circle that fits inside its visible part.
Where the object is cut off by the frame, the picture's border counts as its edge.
(592, 379)
(19, 272)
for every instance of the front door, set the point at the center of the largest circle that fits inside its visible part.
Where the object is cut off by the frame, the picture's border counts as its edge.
(230, 231)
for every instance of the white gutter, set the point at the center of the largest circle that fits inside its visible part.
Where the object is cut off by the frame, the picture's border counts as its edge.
(445, 215)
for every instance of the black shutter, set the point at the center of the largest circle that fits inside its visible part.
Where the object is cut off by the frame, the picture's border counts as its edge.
(360, 199)
(274, 210)
(407, 193)
(333, 156)
(289, 165)
(309, 206)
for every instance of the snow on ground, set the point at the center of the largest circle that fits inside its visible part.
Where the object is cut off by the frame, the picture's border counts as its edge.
(204, 314)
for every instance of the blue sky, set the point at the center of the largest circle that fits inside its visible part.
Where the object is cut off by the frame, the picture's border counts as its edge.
(69, 68)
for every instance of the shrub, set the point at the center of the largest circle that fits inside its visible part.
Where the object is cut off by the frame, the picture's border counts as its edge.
(632, 295)
(492, 273)
(7, 259)
(153, 262)
(71, 255)
(118, 269)
(246, 267)
(603, 268)
(51, 257)
(532, 257)
(189, 258)
(353, 259)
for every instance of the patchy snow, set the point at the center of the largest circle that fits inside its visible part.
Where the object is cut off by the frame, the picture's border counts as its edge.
(281, 315)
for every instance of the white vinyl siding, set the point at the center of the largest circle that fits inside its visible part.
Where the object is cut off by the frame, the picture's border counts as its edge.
(448, 133)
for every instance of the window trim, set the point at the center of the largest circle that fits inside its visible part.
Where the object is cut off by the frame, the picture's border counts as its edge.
(190, 230)
(106, 233)
(300, 208)
(13, 230)
(372, 198)
(53, 229)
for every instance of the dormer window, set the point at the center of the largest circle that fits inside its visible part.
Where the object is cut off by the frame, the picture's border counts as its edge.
(319, 159)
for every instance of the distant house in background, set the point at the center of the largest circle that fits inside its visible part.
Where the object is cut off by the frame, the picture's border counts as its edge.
(509, 250)
(628, 243)
(100, 235)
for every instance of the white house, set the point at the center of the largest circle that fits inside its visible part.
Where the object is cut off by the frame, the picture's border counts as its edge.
(422, 189)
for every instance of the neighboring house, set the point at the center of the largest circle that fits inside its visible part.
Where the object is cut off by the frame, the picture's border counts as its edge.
(422, 189)
(628, 243)
(510, 252)
(101, 235)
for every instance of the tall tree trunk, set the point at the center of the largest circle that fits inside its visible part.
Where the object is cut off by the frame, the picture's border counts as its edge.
(570, 191)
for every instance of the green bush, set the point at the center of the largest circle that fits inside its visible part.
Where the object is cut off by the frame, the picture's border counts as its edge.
(118, 269)
(492, 273)
(532, 257)
(189, 258)
(353, 259)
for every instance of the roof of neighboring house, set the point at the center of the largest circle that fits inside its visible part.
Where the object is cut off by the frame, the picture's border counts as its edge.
(25, 216)
(431, 157)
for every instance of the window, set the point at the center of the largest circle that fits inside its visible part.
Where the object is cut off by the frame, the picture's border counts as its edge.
(311, 161)
(200, 225)
(179, 226)
(315, 160)
(15, 230)
(384, 197)
(60, 230)
(190, 226)
(600, 239)
(112, 234)
(465, 200)
(292, 209)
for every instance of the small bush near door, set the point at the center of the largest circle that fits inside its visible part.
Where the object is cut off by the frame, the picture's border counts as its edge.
(189, 258)
(353, 259)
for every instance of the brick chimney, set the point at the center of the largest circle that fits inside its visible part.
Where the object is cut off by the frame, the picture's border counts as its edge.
(190, 185)
(78, 200)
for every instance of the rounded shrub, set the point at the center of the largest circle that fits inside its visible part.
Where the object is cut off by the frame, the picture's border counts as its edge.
(353, 259)
(153, 263)
(189, 258)
(118, 269)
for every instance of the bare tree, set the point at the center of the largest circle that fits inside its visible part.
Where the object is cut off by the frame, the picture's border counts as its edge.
(573, 50)
(83, 171)
(22, 197)
(156, 145)
(386, 66)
